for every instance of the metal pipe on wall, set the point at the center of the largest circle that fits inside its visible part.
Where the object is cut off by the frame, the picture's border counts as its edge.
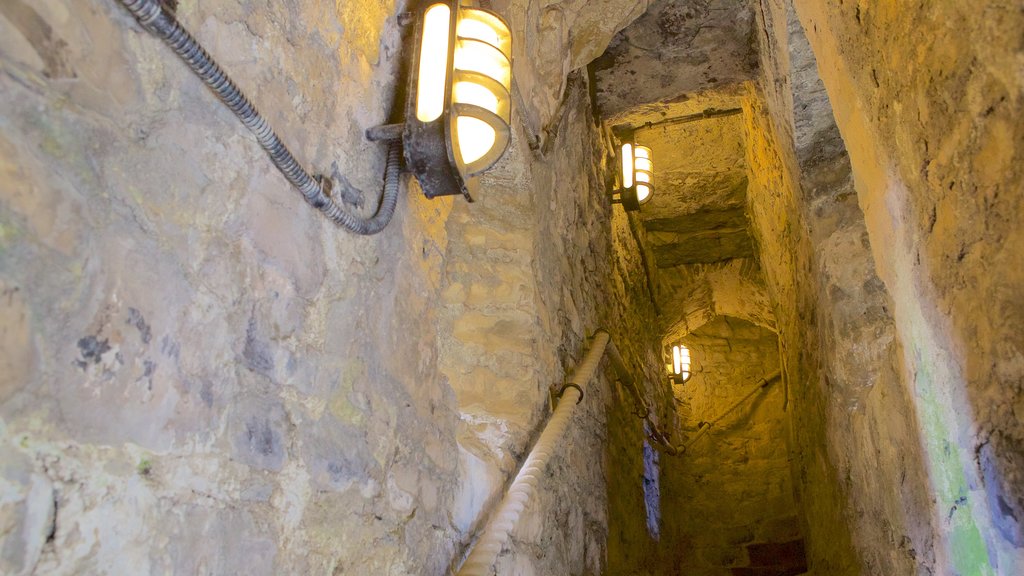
(660, 438)
(501, 523)
(704, 427)
(504, 519)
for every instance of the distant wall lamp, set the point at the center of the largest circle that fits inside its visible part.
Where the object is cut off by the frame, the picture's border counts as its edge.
(637, 176)
(457, 117)
(458, 112)
(680, 364)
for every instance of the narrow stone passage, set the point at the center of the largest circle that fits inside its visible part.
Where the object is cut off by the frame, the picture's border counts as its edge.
(201, 374)
(734, 483)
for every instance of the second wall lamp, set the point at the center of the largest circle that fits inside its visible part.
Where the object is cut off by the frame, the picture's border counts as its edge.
(636, 176)
(679, 371)
(680, 364)
(458, 112)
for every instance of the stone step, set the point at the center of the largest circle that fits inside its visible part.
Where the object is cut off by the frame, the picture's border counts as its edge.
(774, 559)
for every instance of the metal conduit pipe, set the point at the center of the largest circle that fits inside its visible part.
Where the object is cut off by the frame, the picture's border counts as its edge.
(504, 519)
(701, 431)
(657, 435)
(704, 427)
(622, 373)
(316, 190)
(662, 442)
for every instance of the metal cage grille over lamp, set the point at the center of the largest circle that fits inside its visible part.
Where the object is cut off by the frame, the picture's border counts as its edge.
(680, 369)
(458, 114)
(637, 165)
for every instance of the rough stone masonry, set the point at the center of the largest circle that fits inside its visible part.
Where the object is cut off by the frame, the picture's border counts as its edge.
(199, 374)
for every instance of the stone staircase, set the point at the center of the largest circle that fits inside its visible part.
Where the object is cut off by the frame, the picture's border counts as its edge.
(774, 559)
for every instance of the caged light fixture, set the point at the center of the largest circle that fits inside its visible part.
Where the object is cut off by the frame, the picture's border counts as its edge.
(680, 364)
(637, 176)
(458, 112)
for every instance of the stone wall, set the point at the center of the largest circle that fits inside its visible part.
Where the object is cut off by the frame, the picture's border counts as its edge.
(732, 488)
(785, 257)
(935, 142)
(678, 52)
(527, 281)
(860, 461)
(201, 374)
(633, 543)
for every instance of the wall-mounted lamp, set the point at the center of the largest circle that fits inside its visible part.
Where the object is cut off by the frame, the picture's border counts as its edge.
(458, 112)
(637, 174)
(457, 117)
(680, 364)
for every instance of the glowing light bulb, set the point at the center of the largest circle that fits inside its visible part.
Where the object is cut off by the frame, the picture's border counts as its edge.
(643, 192)
(681, 361)
(627, 165)
(473, 28)
(643, 166)
(476, 138)
(471, 93)
(433, 63)
(459, 123)
(476, 56)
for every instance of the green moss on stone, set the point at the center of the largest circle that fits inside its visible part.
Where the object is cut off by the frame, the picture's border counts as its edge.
(967, 549)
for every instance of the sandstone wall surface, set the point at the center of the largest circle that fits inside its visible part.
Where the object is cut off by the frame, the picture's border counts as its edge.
(928, 98)
(858, 464)
(527, 281)
(786, 254)
(732, 488)
(201, 374)
(637, 510)
(855, 430)
(678, 52)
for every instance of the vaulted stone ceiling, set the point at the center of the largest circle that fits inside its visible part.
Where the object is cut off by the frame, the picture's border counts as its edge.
(677, 78)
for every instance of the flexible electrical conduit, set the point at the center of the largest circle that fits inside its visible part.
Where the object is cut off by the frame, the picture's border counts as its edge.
(500, 525)
(152, 15)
